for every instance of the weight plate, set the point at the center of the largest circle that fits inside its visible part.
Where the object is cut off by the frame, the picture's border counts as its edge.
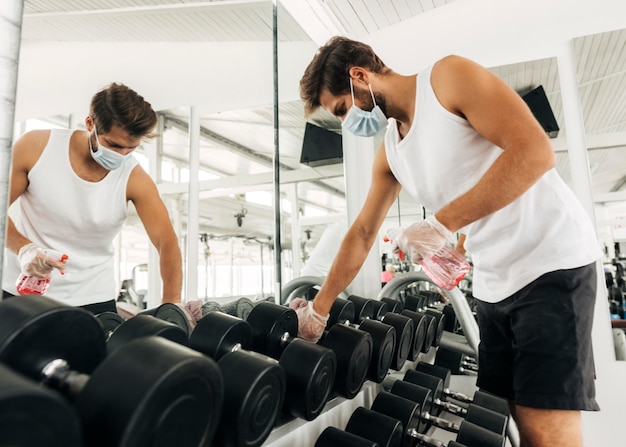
(486, 418)
(340, 312)
(431, 331)
(405, 330)
(418, 394)
(310, 371)
(109, 322)
(437, 371)
(174, 314)
(240, 308)
(34, 416)
(216, 334)
(420, 333)
(333, 437)
(440, 324)
(383, 345)
(380, 309)
(143, 326)
(450, 359)
(269, 323)
(400, 408)
(36, 330)
(353, 349)
(383, 430)
(413, 302)
(363, 308)
(395, 306)
(152, 392)
(471, 434)
(254, 388)
(493, 403)
(434, 384)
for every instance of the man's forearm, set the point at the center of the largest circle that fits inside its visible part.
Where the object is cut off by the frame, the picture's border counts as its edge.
(171, 274)
(345, 267)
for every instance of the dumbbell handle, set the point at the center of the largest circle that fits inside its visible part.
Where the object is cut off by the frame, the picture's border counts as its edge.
(441, 423)
(57, 374)
(457, 396)
(427, 440)
(450, 407)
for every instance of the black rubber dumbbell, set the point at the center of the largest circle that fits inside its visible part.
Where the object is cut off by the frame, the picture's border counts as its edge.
(309, 369)
(389, 431)
(170, 312)
(484, 417)
(274, 327)
(434, 300)
(480, 398)
(334, 437)
(120, 401)
(457, 362)
(394, 306)
(424, 398)
(410, 413)
(254, 384)
(423, 327)
(435, 320)
(109, 322)
(366, 308)
(34, 416)
(384, 336)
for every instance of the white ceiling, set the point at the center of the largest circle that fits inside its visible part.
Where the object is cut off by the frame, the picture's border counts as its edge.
(217, 56)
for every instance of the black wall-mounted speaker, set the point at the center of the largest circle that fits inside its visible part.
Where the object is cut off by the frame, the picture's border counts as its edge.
(540, 106)
(321, 146)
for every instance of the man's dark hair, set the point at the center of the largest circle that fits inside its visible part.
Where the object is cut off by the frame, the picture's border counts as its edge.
(329, 69)
(118, 105)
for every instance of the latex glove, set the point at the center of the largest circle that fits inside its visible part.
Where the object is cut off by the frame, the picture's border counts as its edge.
(422, 239)
(297, 303)
(311, 325)
(36, 261)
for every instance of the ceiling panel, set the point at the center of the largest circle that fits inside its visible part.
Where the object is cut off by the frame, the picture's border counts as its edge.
(241, 142)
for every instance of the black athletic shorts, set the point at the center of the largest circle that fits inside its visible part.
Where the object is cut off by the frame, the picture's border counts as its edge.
(535, 346)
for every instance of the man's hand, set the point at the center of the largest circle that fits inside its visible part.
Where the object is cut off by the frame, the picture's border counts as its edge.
(311, 325)
(35, 261)
(422, 239)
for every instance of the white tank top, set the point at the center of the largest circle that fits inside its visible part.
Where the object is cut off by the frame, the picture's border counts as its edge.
(63, 212)
(545, 229)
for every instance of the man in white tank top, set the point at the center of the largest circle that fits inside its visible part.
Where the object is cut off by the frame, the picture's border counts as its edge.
(74, 187)
(467, 147)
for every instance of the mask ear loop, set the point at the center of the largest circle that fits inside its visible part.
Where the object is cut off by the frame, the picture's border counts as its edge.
(352, 90)
(371, 93)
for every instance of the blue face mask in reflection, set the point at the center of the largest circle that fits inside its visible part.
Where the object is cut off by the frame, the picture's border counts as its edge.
(361, 122)
(105, 157)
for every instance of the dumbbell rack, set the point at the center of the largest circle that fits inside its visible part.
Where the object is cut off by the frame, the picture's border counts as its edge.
(338, 410)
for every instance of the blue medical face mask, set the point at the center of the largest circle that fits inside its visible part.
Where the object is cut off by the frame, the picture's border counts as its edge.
(361, 122)
(105, 157)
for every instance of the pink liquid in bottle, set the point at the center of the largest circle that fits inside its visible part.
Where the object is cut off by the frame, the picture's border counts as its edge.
(446, 268)
(33, 285)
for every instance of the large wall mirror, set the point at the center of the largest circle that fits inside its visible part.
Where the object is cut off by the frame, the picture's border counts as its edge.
(601, 73)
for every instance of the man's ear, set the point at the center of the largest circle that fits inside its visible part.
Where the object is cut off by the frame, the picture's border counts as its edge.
(359, 74)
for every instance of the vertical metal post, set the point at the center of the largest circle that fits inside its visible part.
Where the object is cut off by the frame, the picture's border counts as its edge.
(10, 37)
(277, 213)
(191, 284)
(153, 151)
